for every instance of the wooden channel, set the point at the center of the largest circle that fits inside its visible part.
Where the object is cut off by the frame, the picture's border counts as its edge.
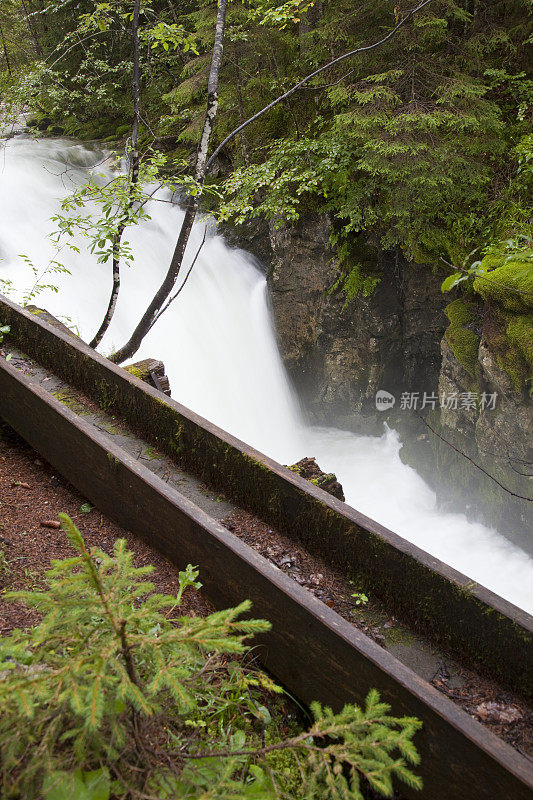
(481, 628)
(310, 649)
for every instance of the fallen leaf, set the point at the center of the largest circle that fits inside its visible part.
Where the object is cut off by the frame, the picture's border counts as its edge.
(498, 712)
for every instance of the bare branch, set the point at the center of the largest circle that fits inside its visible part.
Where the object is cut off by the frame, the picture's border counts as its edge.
(461, 453)
(312, 75)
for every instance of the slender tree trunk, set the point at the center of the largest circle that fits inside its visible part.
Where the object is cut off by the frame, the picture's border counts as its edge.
(133, 180)
(4, 46)
(99, 335)
(32, 28)
(131, 347)
(240, 106)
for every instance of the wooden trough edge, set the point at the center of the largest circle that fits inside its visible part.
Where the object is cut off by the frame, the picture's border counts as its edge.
(487, 631)
(312, 650)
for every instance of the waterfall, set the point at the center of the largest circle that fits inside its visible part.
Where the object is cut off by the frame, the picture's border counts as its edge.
(219, 348)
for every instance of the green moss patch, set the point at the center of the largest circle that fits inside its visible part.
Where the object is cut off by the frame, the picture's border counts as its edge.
(510, 338)
(520, 335)
(509, 284)
(463, 341)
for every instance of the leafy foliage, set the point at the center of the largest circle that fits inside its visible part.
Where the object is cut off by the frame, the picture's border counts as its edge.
(114, 694)
(423, 144)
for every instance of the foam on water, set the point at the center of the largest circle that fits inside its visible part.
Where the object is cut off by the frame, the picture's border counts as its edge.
(220, 352)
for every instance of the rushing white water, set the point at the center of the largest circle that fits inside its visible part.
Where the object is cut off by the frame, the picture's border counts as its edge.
(220, 352)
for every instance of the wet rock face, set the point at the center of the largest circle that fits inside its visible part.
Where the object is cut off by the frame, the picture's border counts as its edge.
(510, 428)
(308, 468)
(252, 236)
(339, 354)
(496, 436)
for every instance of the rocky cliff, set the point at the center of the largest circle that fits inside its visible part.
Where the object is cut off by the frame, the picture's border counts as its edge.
(487, 357)
(339, 352)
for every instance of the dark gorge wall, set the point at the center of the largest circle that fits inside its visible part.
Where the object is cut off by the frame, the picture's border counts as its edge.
(340, 353)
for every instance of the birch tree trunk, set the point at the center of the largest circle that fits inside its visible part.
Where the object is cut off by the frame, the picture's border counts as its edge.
(133, 180)
(131, 347)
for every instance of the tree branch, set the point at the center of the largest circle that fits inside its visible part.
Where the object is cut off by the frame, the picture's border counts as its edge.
(312, 75)
(461, 453)
(171, 299)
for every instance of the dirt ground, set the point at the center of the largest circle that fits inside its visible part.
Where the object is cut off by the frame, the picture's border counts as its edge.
(31, 493)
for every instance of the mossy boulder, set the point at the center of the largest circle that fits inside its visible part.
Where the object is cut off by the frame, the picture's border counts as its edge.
(122, 130)
(509, 283)
(461, 337)
(308, 468)
(520, 335)
(507, 290)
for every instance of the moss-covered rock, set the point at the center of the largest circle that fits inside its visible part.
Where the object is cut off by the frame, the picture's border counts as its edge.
(509, 283)
(463, 341)
(520, 335)
(122, 130)
(510, 338)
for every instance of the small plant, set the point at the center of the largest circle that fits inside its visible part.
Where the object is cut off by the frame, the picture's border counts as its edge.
(4, 329)
(5, 569)
(360, 599)
(54, 267)
(115, 695)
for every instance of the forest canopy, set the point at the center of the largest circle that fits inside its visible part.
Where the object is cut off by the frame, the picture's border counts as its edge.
(424, 143)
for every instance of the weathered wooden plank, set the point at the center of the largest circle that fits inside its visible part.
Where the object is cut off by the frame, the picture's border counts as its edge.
(437, 600)
(312, 650)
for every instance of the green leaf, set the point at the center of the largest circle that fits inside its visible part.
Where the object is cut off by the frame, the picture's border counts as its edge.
(264, 714)
(65, 786)
(452, 280)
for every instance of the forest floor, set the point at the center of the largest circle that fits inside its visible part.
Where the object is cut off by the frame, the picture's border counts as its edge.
(31, 496)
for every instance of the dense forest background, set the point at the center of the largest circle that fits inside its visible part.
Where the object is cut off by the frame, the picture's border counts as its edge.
(422, 143)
